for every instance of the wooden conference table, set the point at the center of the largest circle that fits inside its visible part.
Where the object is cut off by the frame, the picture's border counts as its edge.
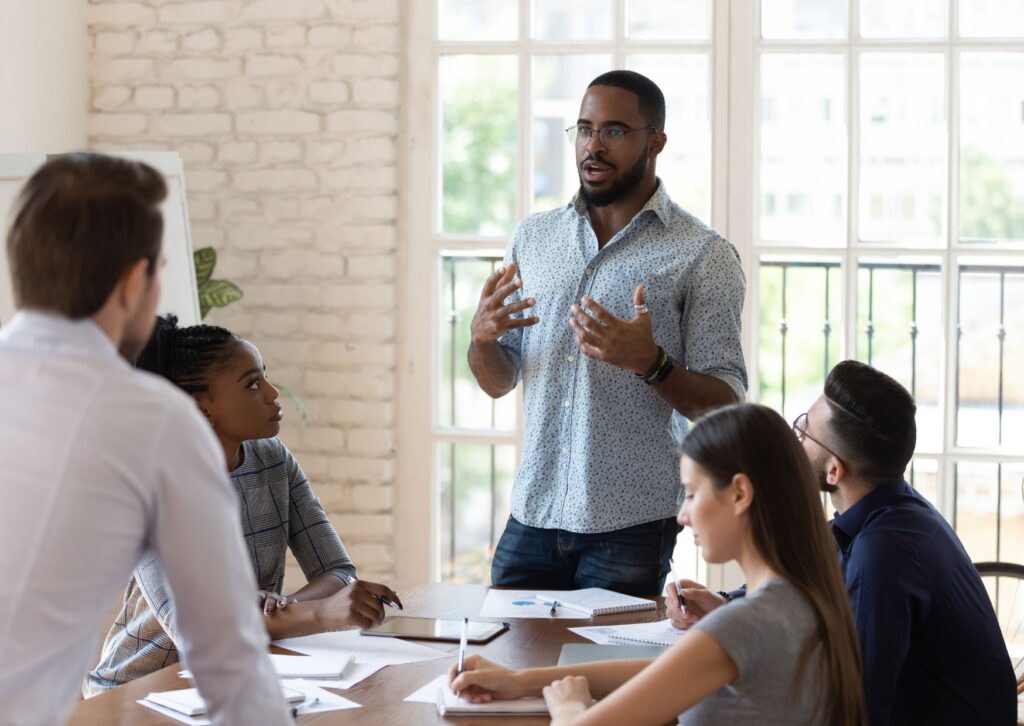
(529, 642)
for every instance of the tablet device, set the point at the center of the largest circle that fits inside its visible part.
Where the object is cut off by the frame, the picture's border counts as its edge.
(435, 629)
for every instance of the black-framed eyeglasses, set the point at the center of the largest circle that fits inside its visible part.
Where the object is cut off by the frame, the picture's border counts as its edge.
(800, 429)
(609, 136)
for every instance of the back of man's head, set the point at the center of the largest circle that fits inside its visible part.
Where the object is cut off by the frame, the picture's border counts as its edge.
(872, 420)
(79, 223)
(650, 99)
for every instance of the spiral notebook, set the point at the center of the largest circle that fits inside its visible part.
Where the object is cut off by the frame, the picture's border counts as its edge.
(595, 601)
(660, 633)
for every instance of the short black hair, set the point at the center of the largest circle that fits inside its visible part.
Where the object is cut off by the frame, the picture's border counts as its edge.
(651, 99)
(79, 223)
(186, 356)
(873, 420)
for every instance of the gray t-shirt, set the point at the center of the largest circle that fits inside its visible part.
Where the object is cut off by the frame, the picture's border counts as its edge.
(765, 634)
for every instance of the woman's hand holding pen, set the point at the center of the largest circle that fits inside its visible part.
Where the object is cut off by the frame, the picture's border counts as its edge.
(360, 604)
(699, 602)
(482, 681)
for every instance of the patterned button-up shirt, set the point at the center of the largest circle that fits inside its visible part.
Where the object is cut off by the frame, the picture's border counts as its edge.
(599, 448)
(279, 511)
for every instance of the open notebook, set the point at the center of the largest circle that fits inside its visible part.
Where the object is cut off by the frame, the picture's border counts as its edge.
(660, 633)
(448, 704)
(596, 601)
(187, 701)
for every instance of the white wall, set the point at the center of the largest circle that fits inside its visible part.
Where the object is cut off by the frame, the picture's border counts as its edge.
(44, 87)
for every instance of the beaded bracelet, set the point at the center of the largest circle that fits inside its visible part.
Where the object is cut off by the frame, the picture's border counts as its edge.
(658, 372)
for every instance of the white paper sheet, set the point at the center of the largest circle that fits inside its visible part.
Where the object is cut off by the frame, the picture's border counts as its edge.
(325, 701)
(523, 604)
(659, 633)
(437, 692)
(309, 667)
(369, 653)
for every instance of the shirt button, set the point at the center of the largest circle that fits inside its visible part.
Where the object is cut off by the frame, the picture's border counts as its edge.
(565, 450)
(569, 358)
(566, 404)
(590, 271)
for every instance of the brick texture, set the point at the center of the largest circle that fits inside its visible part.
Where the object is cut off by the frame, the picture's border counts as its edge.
(286, 114)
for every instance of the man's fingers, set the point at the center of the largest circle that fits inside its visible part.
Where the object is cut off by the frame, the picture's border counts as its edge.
(638, 295)
(691, 585)
(597, 310)
(499, 276)
(502, 293)
(521, 322)
(515, 307)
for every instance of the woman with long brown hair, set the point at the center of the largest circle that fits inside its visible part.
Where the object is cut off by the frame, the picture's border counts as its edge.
(787, 653)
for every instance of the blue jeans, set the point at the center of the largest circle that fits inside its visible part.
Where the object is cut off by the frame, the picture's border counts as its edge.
(632, 560)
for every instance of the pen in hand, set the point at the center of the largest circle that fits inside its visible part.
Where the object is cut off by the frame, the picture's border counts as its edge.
(675, 582)
(462, 647)
(554, 605)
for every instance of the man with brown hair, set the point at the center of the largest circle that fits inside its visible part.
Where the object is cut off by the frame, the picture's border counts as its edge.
(103, 462)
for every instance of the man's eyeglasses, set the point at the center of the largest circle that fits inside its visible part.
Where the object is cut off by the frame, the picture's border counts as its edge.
(800, 429)
(610, 136)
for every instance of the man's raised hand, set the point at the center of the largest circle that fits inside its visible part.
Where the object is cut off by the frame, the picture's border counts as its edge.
(493, 317)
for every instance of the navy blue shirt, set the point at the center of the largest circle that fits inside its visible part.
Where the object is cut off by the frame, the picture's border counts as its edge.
(933, 651)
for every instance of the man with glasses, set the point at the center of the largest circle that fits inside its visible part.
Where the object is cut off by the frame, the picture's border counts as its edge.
(932, 647)
(621, 314)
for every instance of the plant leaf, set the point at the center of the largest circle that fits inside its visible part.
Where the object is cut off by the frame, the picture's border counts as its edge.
(204, 259)
(219, 293)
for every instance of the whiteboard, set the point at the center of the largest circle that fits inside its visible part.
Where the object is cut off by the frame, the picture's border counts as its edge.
(178, 293)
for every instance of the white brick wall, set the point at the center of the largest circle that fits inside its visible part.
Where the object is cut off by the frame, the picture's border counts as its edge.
(286, 113)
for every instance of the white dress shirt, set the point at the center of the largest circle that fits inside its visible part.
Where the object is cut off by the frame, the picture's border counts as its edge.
(101, 462)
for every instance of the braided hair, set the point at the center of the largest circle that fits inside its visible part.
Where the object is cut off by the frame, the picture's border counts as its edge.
(185, 356)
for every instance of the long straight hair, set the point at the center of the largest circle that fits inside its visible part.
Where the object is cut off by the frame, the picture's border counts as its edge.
(789, 531)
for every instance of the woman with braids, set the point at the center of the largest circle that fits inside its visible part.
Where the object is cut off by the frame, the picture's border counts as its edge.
(786, 654)
(226, 377)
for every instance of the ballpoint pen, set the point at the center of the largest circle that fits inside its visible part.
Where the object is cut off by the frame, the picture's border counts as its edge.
(297, 710)
(675, 581)
(462, 645)
(554, 604)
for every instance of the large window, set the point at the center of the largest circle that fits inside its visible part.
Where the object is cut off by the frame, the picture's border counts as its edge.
(865, 156)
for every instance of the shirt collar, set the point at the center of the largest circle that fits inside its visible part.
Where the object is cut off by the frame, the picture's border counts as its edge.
(48, 332)
(846, 526)
(659, 203)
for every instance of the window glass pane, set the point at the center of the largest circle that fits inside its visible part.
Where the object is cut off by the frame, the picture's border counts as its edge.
(903, 145)
(923, 475)
(903, 19)
(478, 19)
(803, 148)
(685, 164)
(977, 506)
(572, 19)
(461, 403)
(991, 145)
(781, 19)
(478, 102)
(992, 18)
(476, 488)
(676, 20)
(899, 328)
(800, 331)
(559, 84)
(990, 356)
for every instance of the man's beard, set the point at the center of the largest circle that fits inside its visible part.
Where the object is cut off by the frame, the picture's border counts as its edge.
(820, 466)
(619, 190)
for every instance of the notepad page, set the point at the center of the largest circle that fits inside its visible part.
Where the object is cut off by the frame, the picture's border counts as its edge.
(597, 601)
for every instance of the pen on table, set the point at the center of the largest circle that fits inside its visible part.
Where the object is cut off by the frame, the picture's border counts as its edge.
(675, 581)
(462, 646)
(554, 604)
(296, 710)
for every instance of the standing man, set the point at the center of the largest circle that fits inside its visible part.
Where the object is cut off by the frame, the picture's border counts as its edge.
(102, 462)
(932, 646)
(634, 326)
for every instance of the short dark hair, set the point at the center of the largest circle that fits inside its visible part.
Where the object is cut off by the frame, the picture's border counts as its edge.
(873, 420)
(651, 99)
(79, 223)
(186, 356)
